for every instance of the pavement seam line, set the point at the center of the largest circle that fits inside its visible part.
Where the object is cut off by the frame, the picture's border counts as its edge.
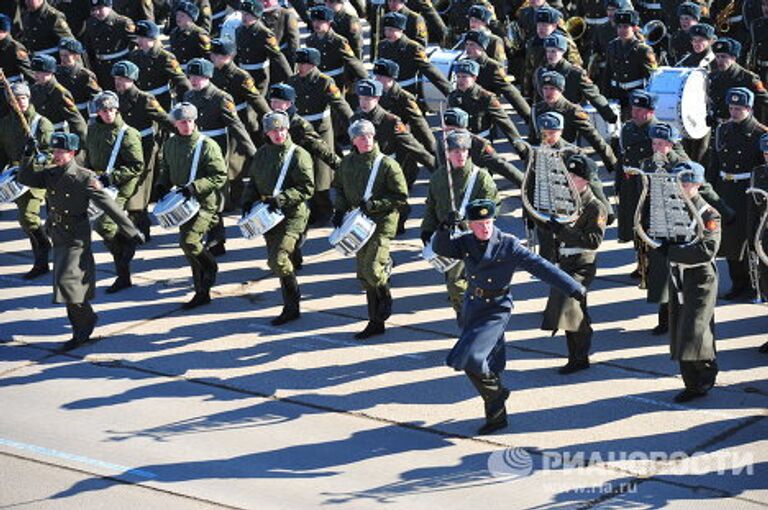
(120, 480)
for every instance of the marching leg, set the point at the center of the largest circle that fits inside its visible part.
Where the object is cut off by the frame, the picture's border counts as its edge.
(83, 320)
(663, 326)
(291, 298)
(40, 248)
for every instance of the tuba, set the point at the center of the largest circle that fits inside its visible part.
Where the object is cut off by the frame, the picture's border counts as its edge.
(554, 194)
(576, 26)
(654, 32)
(671, 211)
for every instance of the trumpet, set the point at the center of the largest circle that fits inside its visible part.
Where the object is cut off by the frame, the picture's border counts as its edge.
(670, 209)
(554, 194)
(654, 32)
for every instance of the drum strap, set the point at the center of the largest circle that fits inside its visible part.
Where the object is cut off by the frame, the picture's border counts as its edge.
(372, 177)
(35, 123)
(196, 159)
(116, 148)
(284, 170)
(468, 192)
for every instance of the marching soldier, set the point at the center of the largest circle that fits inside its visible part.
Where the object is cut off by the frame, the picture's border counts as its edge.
(480, 18)
(415, 26)
(693, 294)
(204, 182)
(483, 107)
(249, 103)
(108, 38)
(159, 70)
(202, 19)
(12, 140)
(74, 271)
(730, 74)
(481, 152)
(688, 14)
(281, 177)
(257, 48)
(547, 23)
(577, 246)
(141, 111)
(337, 59)
(702, 36)
(282, 98)
(455, 14)
(113, 150)
(137, 10)
(393, 138)
(53, 101)
(755, 209)
(216, 116)
(579, 88)
(602, 35)
(317, 98)
(629, 62)
(758, 54)
(577, 120)
(595, 15)
(187, 39)
(436, 29)
(480, 350)
(74, 77)
(388, 193)
(284, 25)
(43, 27)
(347, 25)
(491, 75)
(735, 151)
(409, 55)
(14, 58)
(76, 13)
(469, 183)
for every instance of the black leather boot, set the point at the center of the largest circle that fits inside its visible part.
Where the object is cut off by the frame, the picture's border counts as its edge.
(40, 249)
(291, 297)
(123, 250)
(663, 326)
(375, 326)
(83, 320)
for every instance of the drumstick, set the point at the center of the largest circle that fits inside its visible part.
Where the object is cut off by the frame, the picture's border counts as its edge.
(447, 161)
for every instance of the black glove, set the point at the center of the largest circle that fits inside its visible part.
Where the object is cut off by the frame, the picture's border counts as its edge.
(188, 191)
(554, 225)
(338, 218)
(426, 236)
(247, 208)
(335, 163)
(710, 120)
(274, 203)
(453, 218)
(580, 295)
(611, 219)
(161, 190)
(138, 239)
(612, 118)
(105, 180)
(30, 147)
(663, 248)
(366, 206)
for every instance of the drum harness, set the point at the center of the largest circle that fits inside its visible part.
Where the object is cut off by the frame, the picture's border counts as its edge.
(94, 212)
(284, 170)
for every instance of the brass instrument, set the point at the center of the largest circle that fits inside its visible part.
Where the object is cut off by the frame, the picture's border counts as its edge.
(758, 254)
(654, 32)
(723, 18)
(576, 26)
(671, 211)
(554, 193)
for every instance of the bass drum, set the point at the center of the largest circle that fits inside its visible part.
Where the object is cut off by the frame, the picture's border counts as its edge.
(443, 60)
(681, 99)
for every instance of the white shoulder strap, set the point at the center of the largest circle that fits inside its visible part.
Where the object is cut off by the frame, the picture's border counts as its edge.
(196, 159)
(116, 148)
(468, 191)
(372, 177)
(284, 170)
(34, 125)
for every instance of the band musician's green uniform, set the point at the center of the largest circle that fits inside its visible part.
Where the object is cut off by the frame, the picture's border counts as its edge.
(296, 190)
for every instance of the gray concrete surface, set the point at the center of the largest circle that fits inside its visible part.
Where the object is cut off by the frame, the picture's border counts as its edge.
(215, 408)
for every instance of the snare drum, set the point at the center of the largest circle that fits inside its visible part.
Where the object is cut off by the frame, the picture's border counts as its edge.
(174, 210)
(353, 233)
(94, 213)
(606, 129)
(443, 60)
(681, 99)
(10, 188)
(439, 263)
(259, 221)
